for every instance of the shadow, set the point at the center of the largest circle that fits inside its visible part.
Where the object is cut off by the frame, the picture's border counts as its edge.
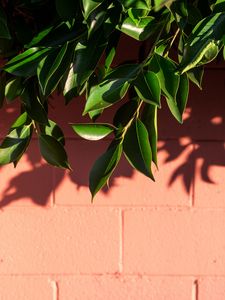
(203, 130)
(201, 139)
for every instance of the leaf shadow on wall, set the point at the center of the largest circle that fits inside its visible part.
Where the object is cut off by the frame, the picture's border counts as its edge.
(203, 131)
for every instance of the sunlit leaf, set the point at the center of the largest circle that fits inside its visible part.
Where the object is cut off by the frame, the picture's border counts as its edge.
(93, 131)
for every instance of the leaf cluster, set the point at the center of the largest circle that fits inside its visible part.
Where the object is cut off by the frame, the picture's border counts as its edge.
(70, 47)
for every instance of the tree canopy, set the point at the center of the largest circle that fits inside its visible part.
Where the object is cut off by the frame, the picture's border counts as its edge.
(70, 46)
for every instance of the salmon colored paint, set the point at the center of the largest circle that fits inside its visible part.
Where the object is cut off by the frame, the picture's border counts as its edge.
(139, 240)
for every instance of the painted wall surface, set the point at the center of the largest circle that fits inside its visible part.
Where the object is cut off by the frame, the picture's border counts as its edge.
(139, 240)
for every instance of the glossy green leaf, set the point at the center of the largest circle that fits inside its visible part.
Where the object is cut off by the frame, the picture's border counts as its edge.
(70, 89)
(125, 113)
(13, 88)
(87, 55)
(158, 4)
(196, 75)
(104, 167)
(139, 4)
(89, 6)
(33, 106)
(53, 130)
(137, 148)
(26, 63)
(4, 30)
(219, 6)
(92, 131)
(15, 144)
(113, 88)
(140, 30)
(182, 93)
(53, 151)
(23, 119)
(149, 118)
(165, 69)
(203, 44)
(148, 88)
(52, 68)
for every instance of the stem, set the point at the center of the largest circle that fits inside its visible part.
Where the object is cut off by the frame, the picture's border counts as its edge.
(172, 41)
(135, 115)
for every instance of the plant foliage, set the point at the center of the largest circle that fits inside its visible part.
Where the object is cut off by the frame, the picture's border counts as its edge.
(69, 46)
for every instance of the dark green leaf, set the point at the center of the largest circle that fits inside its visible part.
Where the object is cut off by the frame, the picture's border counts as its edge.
(219, 6)
(165, 69)
(182, 93)
(4, 31)
(139, 4)
(89, 6)
(53, 130)
(25, 64)
(52, 68)
(87, 55)
(196, 75)
(70, 89)
(104, 167)
(203, 44)
(125, 113)
(93, 131)
(112, 89)
(13, 89)
(147, 87)
(137, 148)
(140, 30)
(53, 151)
(149, 118)
(33, 106)
(15, 144)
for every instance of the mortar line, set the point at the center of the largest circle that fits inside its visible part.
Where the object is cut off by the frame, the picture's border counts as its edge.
(121, 241)
(195, 290)
(55, 290)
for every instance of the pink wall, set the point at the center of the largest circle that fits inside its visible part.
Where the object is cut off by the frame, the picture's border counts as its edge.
(138, 241)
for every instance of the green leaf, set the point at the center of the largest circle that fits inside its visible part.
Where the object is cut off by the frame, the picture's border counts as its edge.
(70, 89)
(93, 131)
(26, 63)
(104, 167)
(139, 4)
(204, 42)
(15, 144)
(53, 151)
(219, 6)
(112, 89)
(196, 75)
(125, 113)
(87, 56)
(160, 3)
(148, 88)
(33, 106)
(89, 6)
(137, 148)
(140, 30)
(165, 69)
(4, 31)
(13, 89)
(52, 68)
(53, 130)
(149, 118)
(23, 119)
(182, 93)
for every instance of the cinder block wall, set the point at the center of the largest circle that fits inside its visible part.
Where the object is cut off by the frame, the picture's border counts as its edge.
(138, 241)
